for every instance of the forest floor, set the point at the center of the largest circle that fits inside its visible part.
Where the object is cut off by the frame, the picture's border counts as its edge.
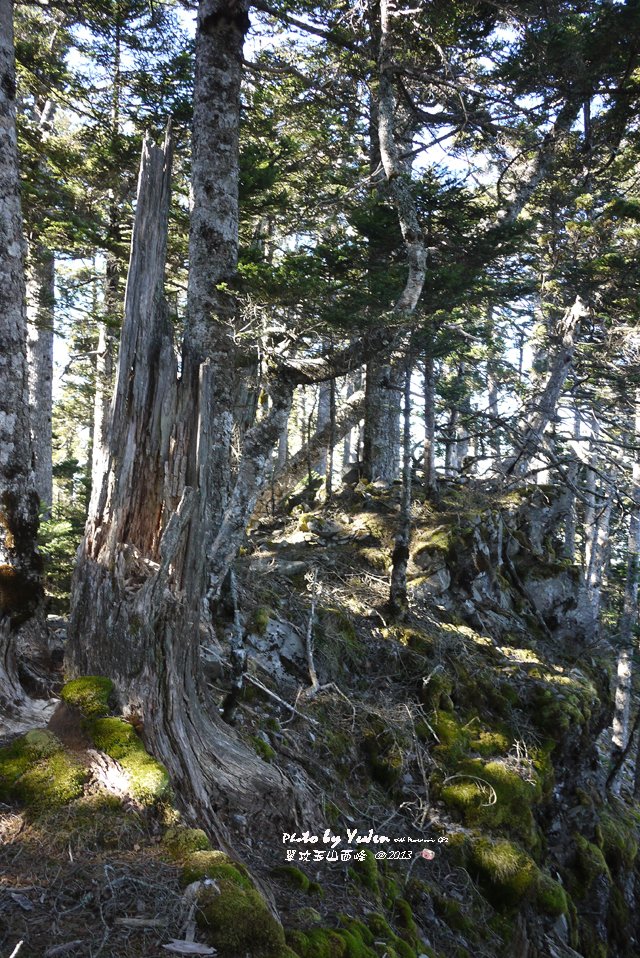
(471, 726)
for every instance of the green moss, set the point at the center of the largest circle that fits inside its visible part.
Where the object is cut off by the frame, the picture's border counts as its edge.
(551, 897)
(366, 872)
(377, 558)
(238, 921)
(385, 754)
(404, 919)
(493, 795)
(181, 842)
(317, 943)
(382, 930)
(490, 743)
(261, 618)
(437, 540)
(618, 841)
(452, 914)
(264, 750)
(216, 865)
(51, 782)
(505, 871)
(148, 779)
(590, 864)
(91, 694)
(293, 876)
(453, 740)
(16, 758)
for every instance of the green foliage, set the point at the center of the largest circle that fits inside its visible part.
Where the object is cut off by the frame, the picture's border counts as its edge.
(58, 541)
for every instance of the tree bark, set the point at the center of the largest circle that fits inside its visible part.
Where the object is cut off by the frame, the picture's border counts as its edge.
(40, 318)
(285, 480)
(629, 617)
(323, 419)
(21, 592)
(429, 455)
(382, 421)
(539, 417)
(400, 559)
(588, 610)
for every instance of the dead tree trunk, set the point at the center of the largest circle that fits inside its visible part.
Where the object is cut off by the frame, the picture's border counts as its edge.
(21, 593)
(138, 593)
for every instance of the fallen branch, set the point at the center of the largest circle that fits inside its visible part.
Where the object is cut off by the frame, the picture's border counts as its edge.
(263, 688)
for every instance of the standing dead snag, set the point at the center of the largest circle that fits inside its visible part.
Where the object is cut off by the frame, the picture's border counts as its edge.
(138, 591)
(21, 591)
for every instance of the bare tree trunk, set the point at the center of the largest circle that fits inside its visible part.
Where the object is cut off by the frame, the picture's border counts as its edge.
(494, 413)
(569, 550)
(451, 446)
(351, 449)
(546, 404)
(398, 590)
(588, 610)
(429, 455)
(40, 318)
(21, 593)
(382, 422)
(350, 413)
(322, 420)
(629, 618)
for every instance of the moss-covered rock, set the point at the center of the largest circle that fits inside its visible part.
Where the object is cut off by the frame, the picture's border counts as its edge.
(181, 842)
(292, 876)
(237, 920)
(366, 872)
(148, 779)
(260, 619)
(618, 841)
(551, 897)
(51, 782)
(506, 873)
(590, 864)
(264, 750)
(91, 694)
(216, 865)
